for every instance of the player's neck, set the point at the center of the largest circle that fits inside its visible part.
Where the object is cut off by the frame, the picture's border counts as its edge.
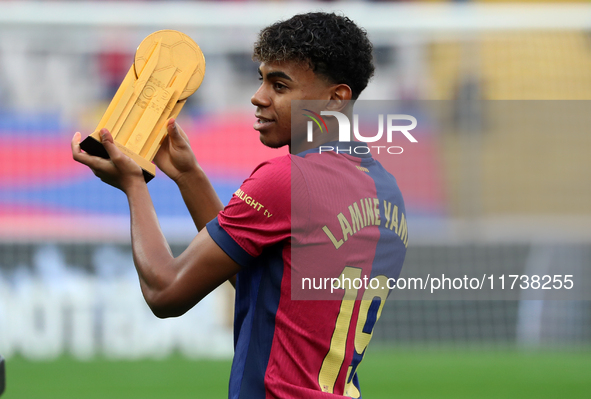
(303, 142)
(304, 145)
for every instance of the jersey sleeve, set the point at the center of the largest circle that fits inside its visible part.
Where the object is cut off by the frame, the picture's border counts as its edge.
(258, 215)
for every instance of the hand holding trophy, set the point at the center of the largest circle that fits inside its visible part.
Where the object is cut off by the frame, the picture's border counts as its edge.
(168, 68)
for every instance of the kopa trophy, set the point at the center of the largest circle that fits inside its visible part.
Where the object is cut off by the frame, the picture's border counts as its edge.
(168, 68)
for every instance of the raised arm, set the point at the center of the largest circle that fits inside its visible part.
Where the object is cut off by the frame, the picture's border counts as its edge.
(176, 159)
(171, 286)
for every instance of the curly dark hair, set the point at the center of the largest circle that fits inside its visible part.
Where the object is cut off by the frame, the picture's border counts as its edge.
(333, 46)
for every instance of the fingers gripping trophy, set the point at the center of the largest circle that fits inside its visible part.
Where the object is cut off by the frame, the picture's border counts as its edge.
(168, 68)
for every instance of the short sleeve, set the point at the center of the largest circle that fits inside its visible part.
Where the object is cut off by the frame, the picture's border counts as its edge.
(258, 215)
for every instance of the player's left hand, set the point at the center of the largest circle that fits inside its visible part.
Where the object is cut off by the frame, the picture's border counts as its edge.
(175, 157)
(120, 171)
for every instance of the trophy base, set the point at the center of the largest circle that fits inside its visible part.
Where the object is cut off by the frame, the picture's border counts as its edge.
(94, 147)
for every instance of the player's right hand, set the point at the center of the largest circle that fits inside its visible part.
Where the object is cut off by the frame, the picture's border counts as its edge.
(175, 157)
(120, 171)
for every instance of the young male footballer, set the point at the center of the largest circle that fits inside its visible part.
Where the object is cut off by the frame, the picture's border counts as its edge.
(338, 211)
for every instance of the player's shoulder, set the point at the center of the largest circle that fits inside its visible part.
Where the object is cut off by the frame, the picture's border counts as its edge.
(277, 164)
(271, 178)
(274, 172)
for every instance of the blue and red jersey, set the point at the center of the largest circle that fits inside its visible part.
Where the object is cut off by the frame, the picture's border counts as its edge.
(297, 226)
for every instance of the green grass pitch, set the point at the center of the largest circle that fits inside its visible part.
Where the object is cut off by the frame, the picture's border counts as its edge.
(384, 374)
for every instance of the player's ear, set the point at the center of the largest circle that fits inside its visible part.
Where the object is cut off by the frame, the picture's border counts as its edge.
(340, 96)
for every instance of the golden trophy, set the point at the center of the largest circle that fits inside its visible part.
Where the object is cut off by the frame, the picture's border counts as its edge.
(168, 68)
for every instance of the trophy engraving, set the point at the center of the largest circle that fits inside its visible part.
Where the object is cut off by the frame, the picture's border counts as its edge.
(168, 68)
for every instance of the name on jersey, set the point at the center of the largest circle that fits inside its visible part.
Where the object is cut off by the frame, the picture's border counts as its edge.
(257, 206)
(366, 212)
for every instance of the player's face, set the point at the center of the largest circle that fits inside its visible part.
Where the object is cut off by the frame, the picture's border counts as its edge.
(282, 82)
